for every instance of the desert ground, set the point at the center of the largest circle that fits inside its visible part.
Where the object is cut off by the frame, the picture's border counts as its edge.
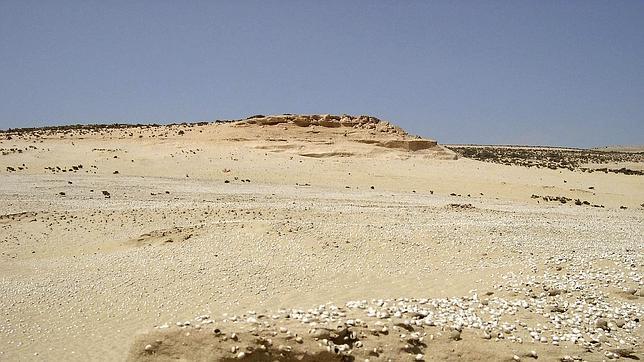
(314, 238)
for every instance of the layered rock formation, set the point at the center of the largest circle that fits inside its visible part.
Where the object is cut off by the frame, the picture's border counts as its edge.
(327, 120)
(345, 135)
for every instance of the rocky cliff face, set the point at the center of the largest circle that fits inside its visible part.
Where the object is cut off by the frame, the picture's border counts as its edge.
(327, 120)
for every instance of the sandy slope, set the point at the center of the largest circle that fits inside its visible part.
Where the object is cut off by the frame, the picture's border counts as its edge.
(296, 224)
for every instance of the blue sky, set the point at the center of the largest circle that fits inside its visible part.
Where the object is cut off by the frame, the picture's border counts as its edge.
(511, 72)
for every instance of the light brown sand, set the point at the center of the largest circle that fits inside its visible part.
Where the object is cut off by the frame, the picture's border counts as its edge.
(82, 273)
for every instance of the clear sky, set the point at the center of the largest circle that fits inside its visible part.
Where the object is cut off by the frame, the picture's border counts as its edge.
(510, 72)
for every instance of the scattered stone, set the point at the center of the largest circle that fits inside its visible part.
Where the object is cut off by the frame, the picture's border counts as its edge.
(623, 352)
(602, 323)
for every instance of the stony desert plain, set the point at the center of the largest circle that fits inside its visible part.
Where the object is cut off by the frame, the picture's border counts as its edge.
(314, 238)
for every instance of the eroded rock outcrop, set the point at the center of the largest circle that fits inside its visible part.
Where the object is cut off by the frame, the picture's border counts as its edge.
(326, 120)
(344, 130)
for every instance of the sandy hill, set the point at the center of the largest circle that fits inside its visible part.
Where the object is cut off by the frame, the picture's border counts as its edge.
(304, 135)
(335, 151)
